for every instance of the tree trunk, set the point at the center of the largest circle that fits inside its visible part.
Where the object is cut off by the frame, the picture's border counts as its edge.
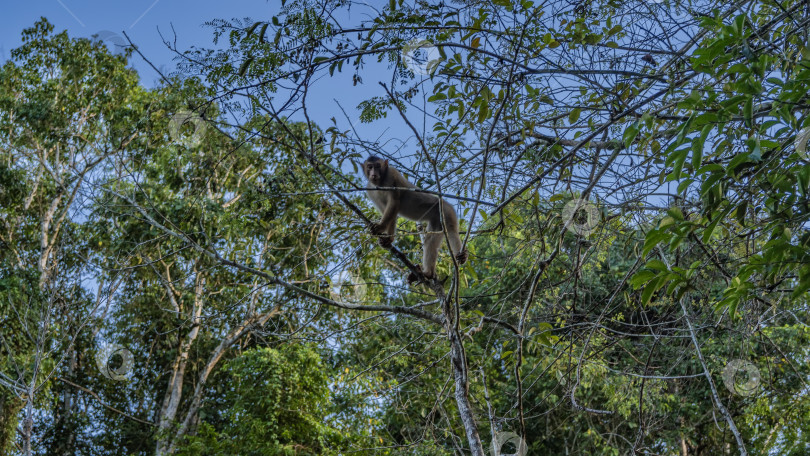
(458, 360)
(216, 355)
(174, 391)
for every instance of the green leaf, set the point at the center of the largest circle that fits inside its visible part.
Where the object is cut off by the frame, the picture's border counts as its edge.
(666, 221)
(697, 146)
(243, 68)
(657, 265)
(709, 183)
(573, 116)
(732, 308)
(739, 68)
(263, 30)
(673, 285)
(738, 160)
(685, 184)
(649, 289)
(483, 112)
(677, 167)
(675, 212)
(654, 237)
(748, 112)
(251, 29)
(741, 211)
(641, 277)
(630, 134)
(707, 233)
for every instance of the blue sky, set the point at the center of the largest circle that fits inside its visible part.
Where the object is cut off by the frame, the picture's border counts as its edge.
(145, 20)
(142, 20)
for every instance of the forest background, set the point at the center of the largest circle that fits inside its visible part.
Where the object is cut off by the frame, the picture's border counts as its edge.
(185, 264)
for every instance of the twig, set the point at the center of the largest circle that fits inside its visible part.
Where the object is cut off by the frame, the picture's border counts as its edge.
(400, 189)
(110, 407)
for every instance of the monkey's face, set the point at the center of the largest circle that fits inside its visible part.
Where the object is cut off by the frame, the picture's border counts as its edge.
(375, 170)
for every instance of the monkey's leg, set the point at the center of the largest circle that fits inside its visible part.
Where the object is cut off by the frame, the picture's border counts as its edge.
(451, 222)
(430, 251)
(385, 230)
(384, 238)
(414, 277)
(388, 238)
(388, 223)
(455, 245)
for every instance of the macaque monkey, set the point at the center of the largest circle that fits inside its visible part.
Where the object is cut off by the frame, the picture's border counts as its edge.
(416, 206)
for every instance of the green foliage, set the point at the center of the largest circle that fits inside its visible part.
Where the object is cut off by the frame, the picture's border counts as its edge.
(273, 402)
(212, 258)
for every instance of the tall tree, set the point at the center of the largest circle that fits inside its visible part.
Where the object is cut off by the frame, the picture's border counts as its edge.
(65, 110)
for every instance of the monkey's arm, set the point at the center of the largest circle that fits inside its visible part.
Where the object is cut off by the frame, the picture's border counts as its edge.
(389, 218)
(388, 223)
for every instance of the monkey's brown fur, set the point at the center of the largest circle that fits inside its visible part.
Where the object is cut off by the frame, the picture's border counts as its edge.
(416, 206)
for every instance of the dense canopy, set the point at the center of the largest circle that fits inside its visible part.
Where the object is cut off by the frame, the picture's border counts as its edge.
(187, 269)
